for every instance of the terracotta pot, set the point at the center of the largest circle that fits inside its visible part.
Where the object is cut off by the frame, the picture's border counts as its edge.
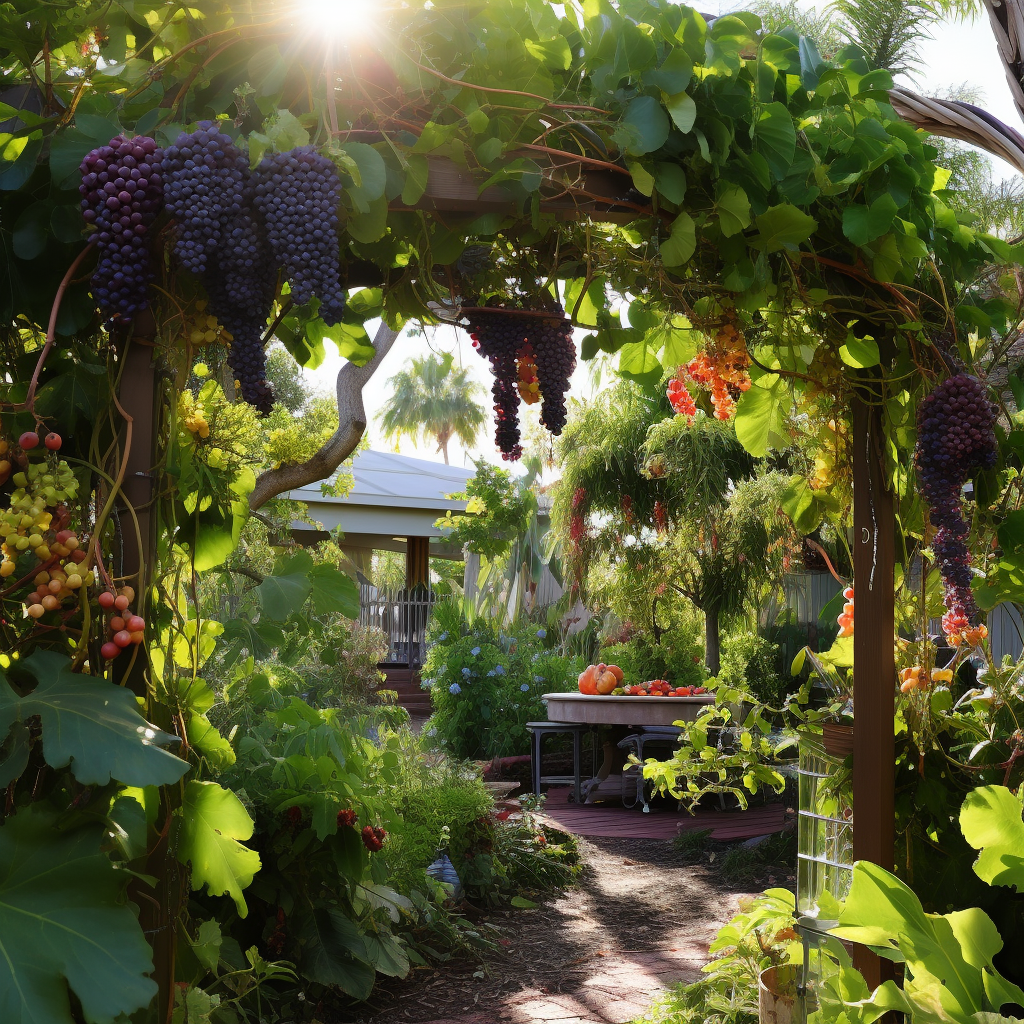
(837, 739)
(777, 1000)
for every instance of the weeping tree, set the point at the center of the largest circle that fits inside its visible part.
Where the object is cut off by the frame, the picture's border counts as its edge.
(679, 505)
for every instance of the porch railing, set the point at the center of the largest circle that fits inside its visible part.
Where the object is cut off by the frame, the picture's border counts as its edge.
(403, 616)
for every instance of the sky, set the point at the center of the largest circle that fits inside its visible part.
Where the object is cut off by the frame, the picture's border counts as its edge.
(957, 53)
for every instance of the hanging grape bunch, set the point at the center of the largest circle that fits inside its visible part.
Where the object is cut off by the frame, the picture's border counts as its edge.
(297, 194)
(955, 437)
(205, 177)
(530, 357)
(233, 228)
(121, 193)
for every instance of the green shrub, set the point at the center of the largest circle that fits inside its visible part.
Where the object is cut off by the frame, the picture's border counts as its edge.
(486, 684)
(750, 663)
(678, 656)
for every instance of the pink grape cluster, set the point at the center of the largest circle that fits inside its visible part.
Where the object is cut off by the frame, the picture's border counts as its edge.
(955, 438)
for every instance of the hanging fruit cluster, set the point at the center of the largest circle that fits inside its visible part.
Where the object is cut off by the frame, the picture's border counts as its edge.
(955, 437)
(723, 370)
(845, 619)
(532, 358)
(917, 678)
(236, 229)
(123, 628)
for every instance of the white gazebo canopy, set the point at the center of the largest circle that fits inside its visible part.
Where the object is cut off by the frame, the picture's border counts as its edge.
(394, 498)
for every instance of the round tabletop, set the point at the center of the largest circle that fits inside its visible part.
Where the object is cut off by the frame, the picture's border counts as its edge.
(639, 711)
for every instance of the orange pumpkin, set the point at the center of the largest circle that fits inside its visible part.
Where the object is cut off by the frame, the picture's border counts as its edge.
(606, 682)
(588, 681)
(615, 671)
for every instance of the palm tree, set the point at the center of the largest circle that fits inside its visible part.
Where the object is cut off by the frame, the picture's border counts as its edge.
(432, 397)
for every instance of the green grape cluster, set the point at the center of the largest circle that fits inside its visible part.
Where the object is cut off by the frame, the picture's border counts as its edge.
(25, 525)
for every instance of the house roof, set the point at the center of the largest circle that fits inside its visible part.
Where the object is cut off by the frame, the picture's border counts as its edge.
(393, 495)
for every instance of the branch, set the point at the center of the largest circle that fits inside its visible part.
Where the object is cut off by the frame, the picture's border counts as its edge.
(351, 426)
(956, 120)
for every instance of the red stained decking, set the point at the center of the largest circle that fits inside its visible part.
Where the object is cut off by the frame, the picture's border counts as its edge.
(604, 820)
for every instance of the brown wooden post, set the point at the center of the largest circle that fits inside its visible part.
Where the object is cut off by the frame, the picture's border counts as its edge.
(874, 671)
(139, 397)
(417, 561)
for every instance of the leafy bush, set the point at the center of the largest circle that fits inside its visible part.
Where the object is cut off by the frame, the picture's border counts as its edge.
(486, 684)
(677, 656)
(750, 663)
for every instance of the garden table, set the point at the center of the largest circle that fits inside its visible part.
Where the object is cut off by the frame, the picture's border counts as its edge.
(635, 712)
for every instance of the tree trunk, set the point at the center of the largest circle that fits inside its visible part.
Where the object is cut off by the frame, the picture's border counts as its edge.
(712, 642)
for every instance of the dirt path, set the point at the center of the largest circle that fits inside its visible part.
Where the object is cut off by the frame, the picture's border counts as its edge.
(639, 921)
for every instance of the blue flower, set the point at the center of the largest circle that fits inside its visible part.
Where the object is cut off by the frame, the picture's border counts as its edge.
(475, 651)
(542, 633)
(535, 657)
(538, 679)
(431, 731)
(455, 688)
(466, 672)
(441, 639)
(499, 670)
(524, 687)
(491, 673)
(426, 684)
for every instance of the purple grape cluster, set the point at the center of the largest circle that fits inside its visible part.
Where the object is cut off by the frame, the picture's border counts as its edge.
(503, 336)
(955, 437)
(297, 194)
(205, 183)
(121, 193)
(555, 355)
(500, 337)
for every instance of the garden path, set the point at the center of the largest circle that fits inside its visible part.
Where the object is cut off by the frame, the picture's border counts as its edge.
(639, 921)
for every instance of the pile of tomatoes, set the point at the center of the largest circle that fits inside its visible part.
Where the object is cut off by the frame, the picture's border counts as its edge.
(662, 688)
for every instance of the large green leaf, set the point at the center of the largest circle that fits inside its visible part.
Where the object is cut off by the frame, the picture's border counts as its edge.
(863, 224)
(334, 953)
(681, 242)
(783, 225)
(760, 414)
(88, 723)
(213, 820)
(644, 126)
(334, 591)
(948, 956)
(990, 820)
(64, 924)
(279, 596)
(776, 137)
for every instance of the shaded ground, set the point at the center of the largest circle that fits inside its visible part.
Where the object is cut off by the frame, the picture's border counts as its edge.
(640, 920)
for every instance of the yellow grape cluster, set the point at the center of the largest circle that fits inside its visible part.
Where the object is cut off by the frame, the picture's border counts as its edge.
(528, 383)
(193, 415)
(206, 328)
(25, 525)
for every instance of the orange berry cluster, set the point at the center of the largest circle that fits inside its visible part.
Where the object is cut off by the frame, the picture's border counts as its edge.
(846, 619)
(959, 631)
(528, 382)
(916, 678)
(723, 371)
(123, 629)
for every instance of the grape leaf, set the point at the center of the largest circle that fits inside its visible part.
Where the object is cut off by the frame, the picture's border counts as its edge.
(63, 919)
(990, 820)
(88, 723)
(213, 819)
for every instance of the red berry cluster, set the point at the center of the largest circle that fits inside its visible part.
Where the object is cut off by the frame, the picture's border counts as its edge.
(660, 517)
(373, 838)
(123, 629)
(346, 818)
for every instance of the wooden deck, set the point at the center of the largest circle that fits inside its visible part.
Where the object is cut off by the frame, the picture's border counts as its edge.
(609, 821)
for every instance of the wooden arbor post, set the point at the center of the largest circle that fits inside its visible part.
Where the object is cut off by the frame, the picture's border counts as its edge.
(874, 747)
(417, 561)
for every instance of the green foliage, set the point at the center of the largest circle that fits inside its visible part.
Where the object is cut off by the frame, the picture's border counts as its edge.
(750, 664)
(677, 655)
(64, 919)
(434, 398)
(499, 510)
(486, 683)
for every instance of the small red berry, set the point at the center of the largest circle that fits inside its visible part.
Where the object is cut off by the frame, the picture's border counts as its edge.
(121, 602)
(53, 441)
(138, 637)
(122, 638)
(110, 650)
(373, 838)
(116, 624)
(28, 440)
(64, 536)
(135, 623)
(106, 599)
